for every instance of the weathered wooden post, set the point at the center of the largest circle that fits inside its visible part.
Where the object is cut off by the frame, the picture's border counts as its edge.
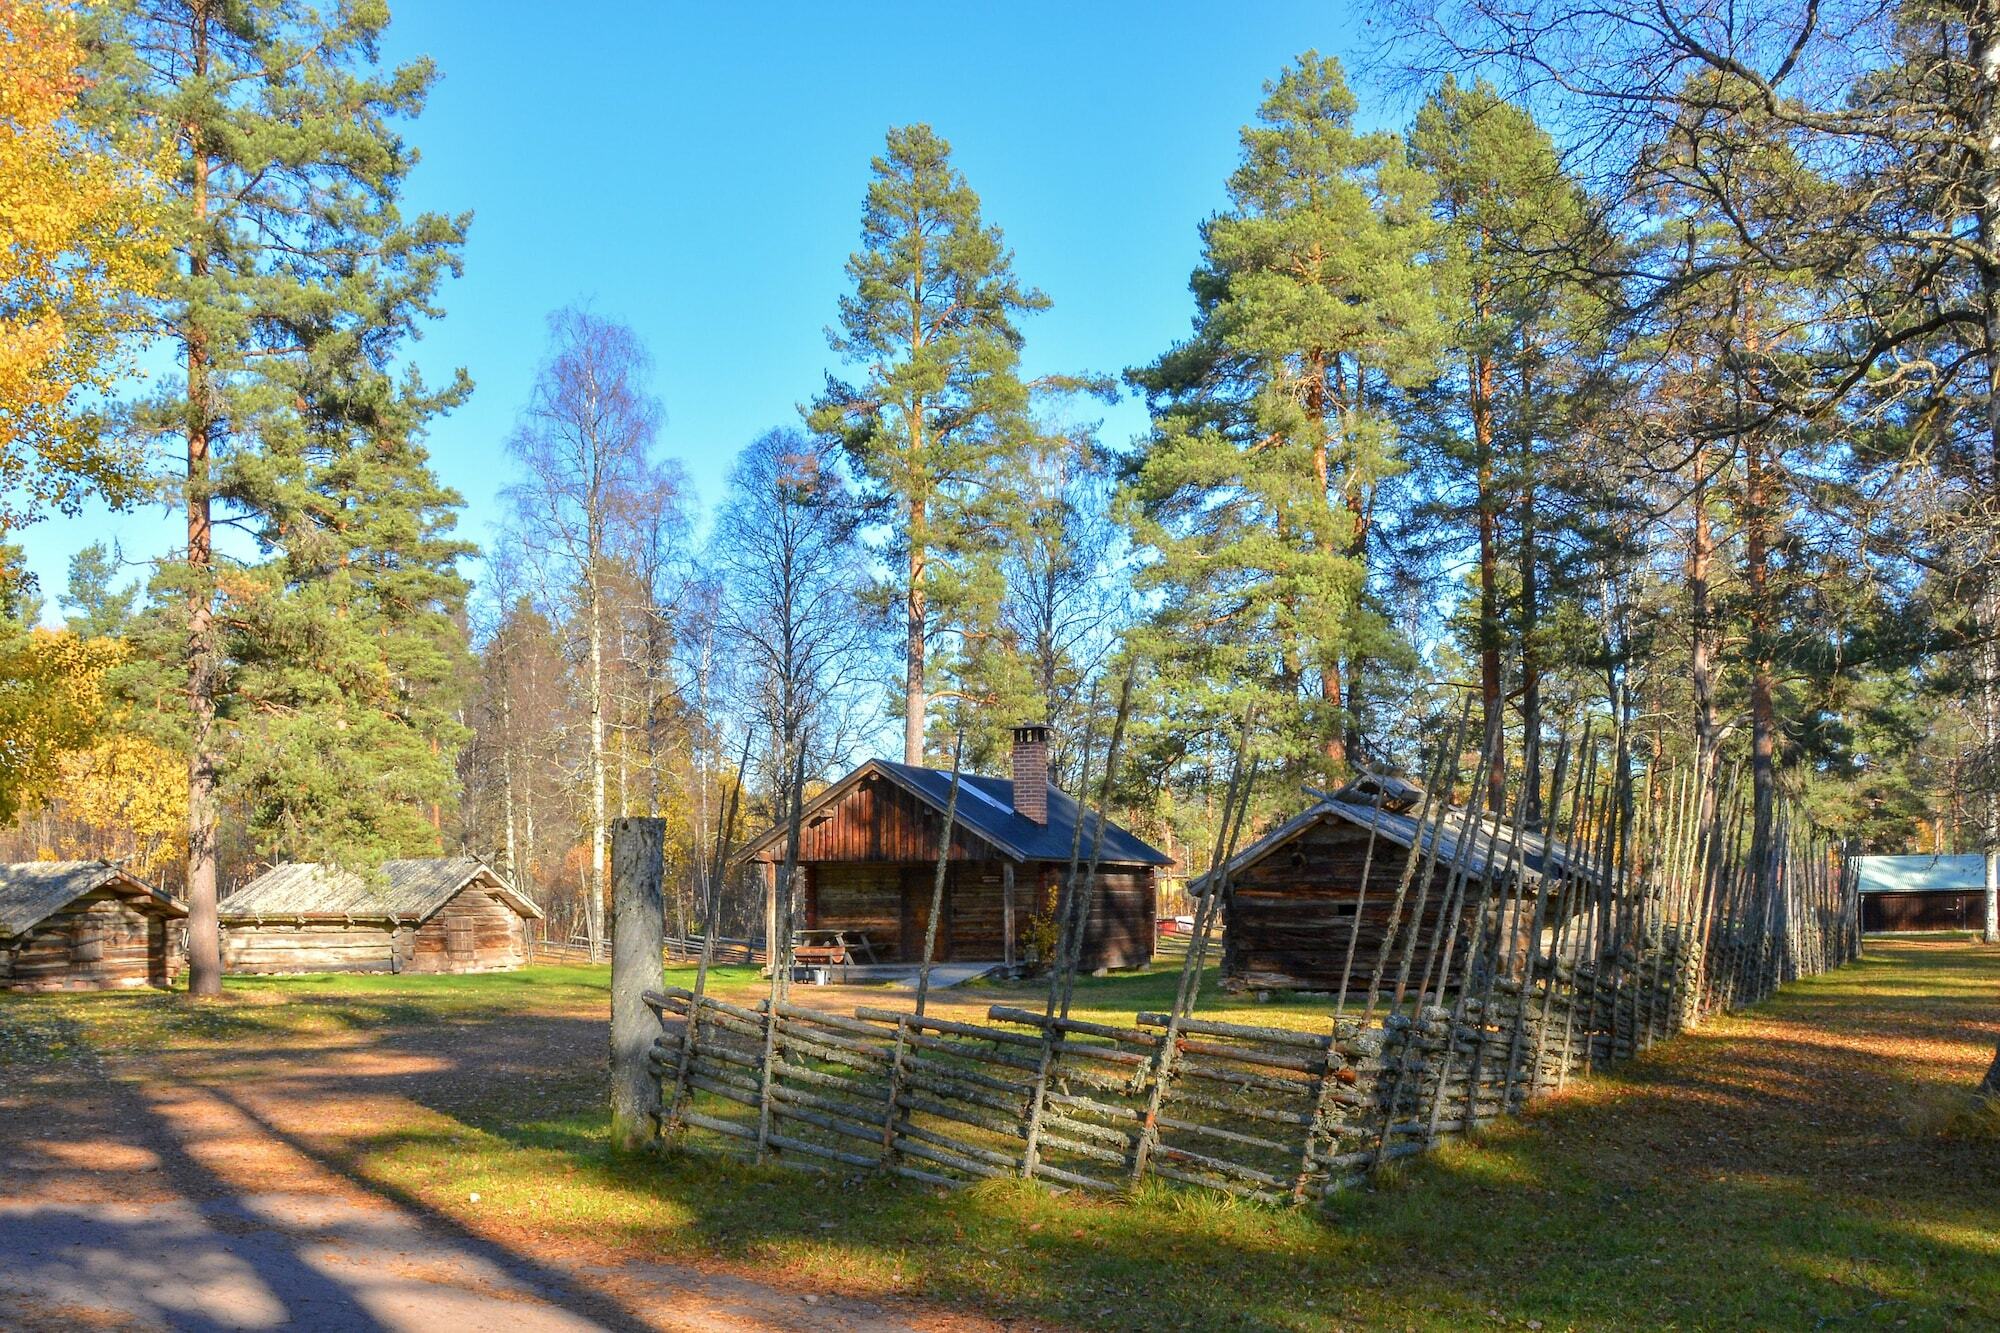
(638, 941)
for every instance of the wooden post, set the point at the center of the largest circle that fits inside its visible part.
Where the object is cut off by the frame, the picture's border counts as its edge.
(1007, 912)
(638, 936)
(770, 917)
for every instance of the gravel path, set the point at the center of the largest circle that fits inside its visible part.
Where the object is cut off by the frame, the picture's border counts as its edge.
(193, 1204)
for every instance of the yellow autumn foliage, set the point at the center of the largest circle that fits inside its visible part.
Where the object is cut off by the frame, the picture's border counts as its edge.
(123, 799)
(51, 704)
(79, 241)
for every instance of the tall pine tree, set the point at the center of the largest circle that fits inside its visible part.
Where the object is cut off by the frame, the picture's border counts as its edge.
(943, 413)
(1257, 489)
(296, 268)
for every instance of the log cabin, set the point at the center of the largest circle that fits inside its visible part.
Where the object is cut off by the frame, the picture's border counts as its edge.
(433, 914)
(85, 925)
(1921, 893)
(868, 852)
(1294, 897)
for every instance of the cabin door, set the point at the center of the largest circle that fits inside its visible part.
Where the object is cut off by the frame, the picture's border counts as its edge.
(918, 883)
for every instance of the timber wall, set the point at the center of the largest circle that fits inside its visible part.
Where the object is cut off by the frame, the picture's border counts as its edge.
(474, 932)
(99, 942)
(1290, 922)
(890, 902)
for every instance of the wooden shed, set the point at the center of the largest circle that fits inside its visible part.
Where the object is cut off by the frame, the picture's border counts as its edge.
(435, 914)
(1918, 893)
(868, 853)
(1295, 893)
(84, 925)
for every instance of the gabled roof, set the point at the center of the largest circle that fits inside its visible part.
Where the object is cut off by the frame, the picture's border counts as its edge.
(986, 811)
(1489, 850)
(405, 890)
(1921, 874)
(33, 891)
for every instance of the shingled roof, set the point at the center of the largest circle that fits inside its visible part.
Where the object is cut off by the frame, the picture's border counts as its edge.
(404, 890)
(1489, 850)
(986, 810)
(33, 891)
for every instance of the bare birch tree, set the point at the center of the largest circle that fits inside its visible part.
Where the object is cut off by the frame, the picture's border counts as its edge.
(586, 441)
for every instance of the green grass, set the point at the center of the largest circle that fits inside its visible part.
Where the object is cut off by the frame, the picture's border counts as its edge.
(1765, 1172)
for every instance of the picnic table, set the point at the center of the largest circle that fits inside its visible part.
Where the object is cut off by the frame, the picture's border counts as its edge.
(822, 949)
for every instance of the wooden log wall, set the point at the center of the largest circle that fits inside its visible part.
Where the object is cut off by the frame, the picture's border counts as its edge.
(279, 948)
(889, 903)
(474, 932)
(1292, 912)
(99, 942)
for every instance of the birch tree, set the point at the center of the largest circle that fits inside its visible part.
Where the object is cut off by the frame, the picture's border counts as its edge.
(586, 443)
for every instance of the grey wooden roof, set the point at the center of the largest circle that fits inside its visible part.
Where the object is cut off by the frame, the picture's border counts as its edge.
(986, 810)
(33, 891)
(404, 890)
(1921, 874)
(1489, 850)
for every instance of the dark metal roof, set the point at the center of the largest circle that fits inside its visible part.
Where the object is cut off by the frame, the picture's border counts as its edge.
(33, 891)
(1489, 850)
(986, 810)
(404, 890)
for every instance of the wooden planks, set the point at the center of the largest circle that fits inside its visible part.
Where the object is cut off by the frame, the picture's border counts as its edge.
(102, 941)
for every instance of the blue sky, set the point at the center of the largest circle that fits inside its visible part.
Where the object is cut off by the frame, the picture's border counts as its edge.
(697, 170)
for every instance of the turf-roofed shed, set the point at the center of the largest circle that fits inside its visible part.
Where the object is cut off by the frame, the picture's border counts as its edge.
(84, 925)
(869, 849)
(1295, 894)
(433, 914)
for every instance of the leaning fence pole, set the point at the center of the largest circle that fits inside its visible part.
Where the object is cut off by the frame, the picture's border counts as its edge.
(1190, 980)
(896, 1117)
(1420, 851)
(1083, 903)
(711, 922)
(1051, 1031)
(781, 951)
(638, 965)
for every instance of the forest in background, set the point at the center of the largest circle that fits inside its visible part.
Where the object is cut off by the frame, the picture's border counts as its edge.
(1648, 374)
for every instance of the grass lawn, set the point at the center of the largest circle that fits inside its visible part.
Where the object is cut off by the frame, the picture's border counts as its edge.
(1800, 1165)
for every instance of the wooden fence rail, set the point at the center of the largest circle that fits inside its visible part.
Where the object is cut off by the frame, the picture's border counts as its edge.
(1563, 966)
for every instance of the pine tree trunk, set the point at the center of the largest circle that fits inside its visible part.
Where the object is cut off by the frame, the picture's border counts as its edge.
(915, 699)
(1763, 715)
(1531, 667)
(204, 928)
(1701, 633)
(1334, 748)
(1982, 21)
(1492, 705)
(594, 910)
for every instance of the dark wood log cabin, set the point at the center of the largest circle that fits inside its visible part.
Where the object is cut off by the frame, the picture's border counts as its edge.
(84, 925)
(868, 851)
(1295, 893)
(434, 914)
(1914, 893)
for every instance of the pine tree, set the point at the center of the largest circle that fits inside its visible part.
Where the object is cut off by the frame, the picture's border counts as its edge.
(294, 266)
(944, 411)
(1258, 487)
(1502, 425)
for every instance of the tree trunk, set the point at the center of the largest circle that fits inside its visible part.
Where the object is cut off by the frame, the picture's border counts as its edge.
(1701, 635)
(204, 937)
(594, 910)
(1493, 707)
(1983, 43)
(913, 678)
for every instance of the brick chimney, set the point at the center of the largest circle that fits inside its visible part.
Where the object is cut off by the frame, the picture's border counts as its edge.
(1031, 772)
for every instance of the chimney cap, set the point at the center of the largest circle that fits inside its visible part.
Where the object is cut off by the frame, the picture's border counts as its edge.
(1027, 733)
